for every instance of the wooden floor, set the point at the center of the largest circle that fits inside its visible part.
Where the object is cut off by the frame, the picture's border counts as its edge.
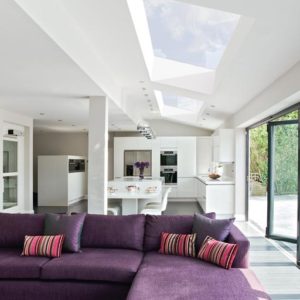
(273, 262)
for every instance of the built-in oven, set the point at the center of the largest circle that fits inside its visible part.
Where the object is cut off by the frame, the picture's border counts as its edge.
(168, 158)
(169, 174)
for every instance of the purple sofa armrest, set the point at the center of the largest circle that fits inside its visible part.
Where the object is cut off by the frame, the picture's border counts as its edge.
(237, 237)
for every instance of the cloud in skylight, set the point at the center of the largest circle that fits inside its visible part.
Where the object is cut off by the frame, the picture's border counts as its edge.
(189, 33)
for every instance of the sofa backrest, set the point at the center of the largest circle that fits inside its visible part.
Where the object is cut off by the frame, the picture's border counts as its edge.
(155, 225)
(100, 231)
(14, 227)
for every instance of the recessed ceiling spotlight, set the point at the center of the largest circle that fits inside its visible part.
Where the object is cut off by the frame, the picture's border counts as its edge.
(146, 95)
(143, 88)
(149, 100)
(207, 114)
(73, 125)
(42, 114)
(203, 119)
(59, 120)
(212, 106)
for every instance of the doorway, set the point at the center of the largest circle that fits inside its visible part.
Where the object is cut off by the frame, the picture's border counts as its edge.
(273, 178)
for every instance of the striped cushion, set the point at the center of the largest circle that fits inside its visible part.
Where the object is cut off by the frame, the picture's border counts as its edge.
(219, 253)
(43, 245)
(178, 244)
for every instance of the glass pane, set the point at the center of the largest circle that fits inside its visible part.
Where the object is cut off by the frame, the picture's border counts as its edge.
(285, 180)
(10, 194)
(133, 156)
(10, 156)
(258, 176)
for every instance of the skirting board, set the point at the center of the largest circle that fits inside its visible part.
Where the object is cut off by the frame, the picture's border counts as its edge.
(240, 217)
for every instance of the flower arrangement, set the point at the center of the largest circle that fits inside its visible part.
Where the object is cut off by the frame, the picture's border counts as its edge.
(141, 165)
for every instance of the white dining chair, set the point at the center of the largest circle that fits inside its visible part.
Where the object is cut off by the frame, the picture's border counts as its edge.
(157, 208)
(113, 208)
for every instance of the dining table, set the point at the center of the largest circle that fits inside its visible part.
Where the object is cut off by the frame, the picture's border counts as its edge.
(131, 190)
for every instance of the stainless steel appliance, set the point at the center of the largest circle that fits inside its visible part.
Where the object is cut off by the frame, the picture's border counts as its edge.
(169, 174)
(168, 158)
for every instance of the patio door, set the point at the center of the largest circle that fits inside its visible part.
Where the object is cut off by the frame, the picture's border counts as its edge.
(283, 178)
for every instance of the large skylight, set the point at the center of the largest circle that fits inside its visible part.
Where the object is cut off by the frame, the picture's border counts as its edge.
(189, 33)
(184, 44)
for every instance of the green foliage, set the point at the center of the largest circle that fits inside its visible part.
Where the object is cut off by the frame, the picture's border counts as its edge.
(285, 155)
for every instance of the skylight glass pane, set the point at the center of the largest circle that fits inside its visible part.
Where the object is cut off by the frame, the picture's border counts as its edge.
(184, 103)
(189, 33)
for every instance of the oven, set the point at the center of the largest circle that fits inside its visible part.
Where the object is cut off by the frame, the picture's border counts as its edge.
(168, 158)
(169, 174)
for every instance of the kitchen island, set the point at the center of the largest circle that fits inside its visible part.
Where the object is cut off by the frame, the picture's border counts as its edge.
(216, 195)
(132, 189)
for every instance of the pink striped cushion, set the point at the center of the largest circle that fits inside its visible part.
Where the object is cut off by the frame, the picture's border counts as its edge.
(219, 253)
(178, 244)
(43, 245)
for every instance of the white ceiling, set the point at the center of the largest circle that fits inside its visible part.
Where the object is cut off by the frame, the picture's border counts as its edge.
(38, 76)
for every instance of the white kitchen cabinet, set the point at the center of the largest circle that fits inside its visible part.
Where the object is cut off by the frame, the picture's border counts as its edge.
(167, 143)
(186, 156)
(204, 154)
(224, 146)
(218, 198)
(59, 183)
(187, 188)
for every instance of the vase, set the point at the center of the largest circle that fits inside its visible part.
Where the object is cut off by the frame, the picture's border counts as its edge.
(141, 173)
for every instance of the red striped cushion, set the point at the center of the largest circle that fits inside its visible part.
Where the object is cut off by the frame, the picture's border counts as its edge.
(178, 244)
(43, 245)
(219, 253)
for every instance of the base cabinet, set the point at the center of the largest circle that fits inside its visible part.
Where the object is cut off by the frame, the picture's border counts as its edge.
(216, 198)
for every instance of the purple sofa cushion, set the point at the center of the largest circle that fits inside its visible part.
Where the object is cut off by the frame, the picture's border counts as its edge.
(217, 229)
(177, 277)
(69, 226)
(62, 290)
(155, 225)
(124, 232)
(14, 227)
(14, 266)
(113, 265)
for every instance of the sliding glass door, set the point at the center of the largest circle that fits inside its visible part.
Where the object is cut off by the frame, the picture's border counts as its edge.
(283, 180)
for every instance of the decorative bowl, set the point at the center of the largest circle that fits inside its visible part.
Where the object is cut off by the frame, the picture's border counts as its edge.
(214, 176)
(132, 188)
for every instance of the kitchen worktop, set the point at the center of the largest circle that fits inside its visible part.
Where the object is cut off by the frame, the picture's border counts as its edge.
(220, 181)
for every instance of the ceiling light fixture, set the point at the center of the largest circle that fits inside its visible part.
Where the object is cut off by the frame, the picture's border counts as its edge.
(59, 120)
(212, 106)
(42, 114)
(146, 130)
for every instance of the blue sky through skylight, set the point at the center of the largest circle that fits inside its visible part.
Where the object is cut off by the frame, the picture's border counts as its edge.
(184, 103)
(189, 33)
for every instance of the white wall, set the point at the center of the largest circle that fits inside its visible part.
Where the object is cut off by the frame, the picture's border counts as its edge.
(53, 143)
(168, 128)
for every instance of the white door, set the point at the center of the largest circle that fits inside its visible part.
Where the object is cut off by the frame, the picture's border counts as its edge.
(13, 189)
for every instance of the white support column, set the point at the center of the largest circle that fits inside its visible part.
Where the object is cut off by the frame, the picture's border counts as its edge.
(98, 155)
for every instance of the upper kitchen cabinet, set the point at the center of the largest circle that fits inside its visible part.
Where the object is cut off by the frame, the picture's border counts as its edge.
(223, 146)
(186, 156)
(204, 148)
(167, 143)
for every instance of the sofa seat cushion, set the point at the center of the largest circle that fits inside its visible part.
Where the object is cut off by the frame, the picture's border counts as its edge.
(112, 265)
(175, 277)
(15, 266)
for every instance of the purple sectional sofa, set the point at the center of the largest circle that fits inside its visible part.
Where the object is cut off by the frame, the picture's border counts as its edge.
(119, 259)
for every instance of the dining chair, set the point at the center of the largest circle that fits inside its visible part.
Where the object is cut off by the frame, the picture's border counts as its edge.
(157, 208)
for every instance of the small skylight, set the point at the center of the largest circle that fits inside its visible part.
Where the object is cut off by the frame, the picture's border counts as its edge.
(189, 33)
(178, 108)
(183, 103)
